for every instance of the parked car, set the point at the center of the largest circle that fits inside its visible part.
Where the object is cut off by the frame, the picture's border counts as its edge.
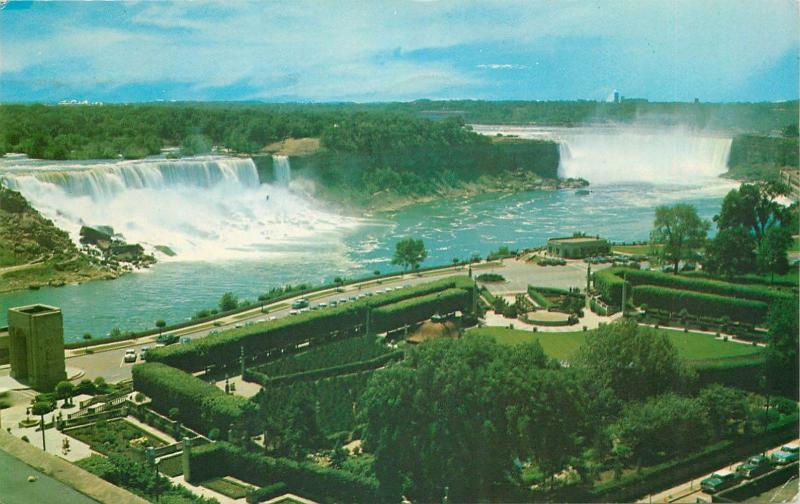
(786, 455)
(754, 466)
(143, 352)
(213, 332)
(294, 312)
(167, 339)
(273, 317)
(130, 355)
(238, 326)
(185, 339)
(719, 481)
(300, 303)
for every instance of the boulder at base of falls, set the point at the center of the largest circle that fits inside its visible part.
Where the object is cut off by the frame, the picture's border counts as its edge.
(93, 235)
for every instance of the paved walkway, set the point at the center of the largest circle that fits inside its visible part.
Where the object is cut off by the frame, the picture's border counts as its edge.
(7, 382)
(590, 319)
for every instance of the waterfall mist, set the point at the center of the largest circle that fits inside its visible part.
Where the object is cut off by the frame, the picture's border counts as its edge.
(206, 208)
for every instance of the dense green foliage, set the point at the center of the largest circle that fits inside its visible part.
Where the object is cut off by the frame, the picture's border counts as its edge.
(225, 347)
(335, 397)
(609, 284)
(310, 480)
(754, 292)
(766, 151)
(409, 253)
(633, 362)
(410, 311)
(200, 405)
(490, 277)
(326, 355)
(678, 232)
(139, 479)
(782, 352)
(699, 303)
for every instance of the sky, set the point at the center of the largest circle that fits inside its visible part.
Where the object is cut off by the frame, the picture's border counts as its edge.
(365, 51)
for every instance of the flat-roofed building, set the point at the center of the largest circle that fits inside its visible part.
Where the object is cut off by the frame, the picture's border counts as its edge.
(577, 247)
(36, 345)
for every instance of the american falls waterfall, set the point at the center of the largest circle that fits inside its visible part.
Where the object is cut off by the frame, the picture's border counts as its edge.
(282, 170)
(204, 208)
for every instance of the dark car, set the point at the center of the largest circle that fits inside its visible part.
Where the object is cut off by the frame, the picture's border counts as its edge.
(167, 339)
(786, 455)
(719, 481)
(300, 303)
(754, 466)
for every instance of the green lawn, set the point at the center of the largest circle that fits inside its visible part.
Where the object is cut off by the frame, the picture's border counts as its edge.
(562, 345)
(634, 249)
(227, 488)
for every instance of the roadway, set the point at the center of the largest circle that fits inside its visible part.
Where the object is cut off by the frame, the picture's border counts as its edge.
(107, 359)
(689, 491)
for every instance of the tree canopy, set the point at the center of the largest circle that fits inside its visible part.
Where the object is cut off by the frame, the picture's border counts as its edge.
(679, 231)
(409, 253)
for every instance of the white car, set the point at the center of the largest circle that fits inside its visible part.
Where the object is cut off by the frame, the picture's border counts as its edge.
(273, 318)
(143, 352)
(130, 355)
(294, 312)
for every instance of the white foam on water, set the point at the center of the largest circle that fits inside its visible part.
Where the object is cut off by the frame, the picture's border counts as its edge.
(208, 208)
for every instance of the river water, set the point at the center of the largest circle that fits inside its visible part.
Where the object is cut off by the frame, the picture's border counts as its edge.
(234, 238)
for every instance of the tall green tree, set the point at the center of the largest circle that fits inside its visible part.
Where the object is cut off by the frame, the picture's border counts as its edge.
(753, 207)
(228, 301)
(409, 253)
(635, 362)
(731, 252)
(771, 255)
(781, 368)
(679, 231)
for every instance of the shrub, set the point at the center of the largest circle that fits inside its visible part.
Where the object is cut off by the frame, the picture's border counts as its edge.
(200, 405)
(490, 277)
(700, 303)
(224, 348)
(609, 285)
(539, 298)
(417, 309)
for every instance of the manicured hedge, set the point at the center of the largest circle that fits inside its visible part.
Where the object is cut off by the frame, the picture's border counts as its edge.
(739, 373)
(267, 492)
(417, 309)
(609, 285)
(201, 406)
(539, 298)
(224, 348)
(309, 480)
(327, 355)
(699, 303)
(754, 292)
(316, 374)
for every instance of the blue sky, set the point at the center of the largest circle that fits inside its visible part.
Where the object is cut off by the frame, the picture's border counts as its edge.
(727, 50)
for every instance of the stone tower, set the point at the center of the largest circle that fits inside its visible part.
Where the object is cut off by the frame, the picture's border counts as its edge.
(36, 345)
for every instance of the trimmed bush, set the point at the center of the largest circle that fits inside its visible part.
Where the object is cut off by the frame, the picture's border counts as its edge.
(224, 348)
(311, 480)
(200, 405)
(701, 304)
(609, 285)
(316, 374)
(267, 492)
(490, 277)
(417, 309)
(539, 298)
(754, 292)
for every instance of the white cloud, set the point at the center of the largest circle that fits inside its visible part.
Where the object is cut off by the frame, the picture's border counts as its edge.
(330, 51)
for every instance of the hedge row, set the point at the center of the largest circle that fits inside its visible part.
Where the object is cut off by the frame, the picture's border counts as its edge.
(316, 374)
(202, 406)
(309, 480)
(655, 478)
(609, 285)
(699, 303)
(539, 298)
(738, 373)
(267, 492)
(754, 292)
(327, 355)
(225, 347)
(420, 308)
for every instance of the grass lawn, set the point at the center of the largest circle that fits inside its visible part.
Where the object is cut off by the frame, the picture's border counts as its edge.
(562, 345)
(113, 438)
(633, 249)
(227, 488)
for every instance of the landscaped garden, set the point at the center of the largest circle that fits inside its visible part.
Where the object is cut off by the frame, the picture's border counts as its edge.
(227, 487)
(563, 345)
(116, 437)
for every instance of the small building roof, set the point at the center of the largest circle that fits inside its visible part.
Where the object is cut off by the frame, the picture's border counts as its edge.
(575, 239)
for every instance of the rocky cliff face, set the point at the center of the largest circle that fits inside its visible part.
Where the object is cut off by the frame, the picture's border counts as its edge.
(35, 253)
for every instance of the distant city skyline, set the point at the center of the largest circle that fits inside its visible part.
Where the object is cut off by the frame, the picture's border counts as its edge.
(660, 50)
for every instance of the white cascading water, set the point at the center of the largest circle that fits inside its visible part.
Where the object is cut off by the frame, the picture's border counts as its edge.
(282, 170)
(205, 208)
(657, 155)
